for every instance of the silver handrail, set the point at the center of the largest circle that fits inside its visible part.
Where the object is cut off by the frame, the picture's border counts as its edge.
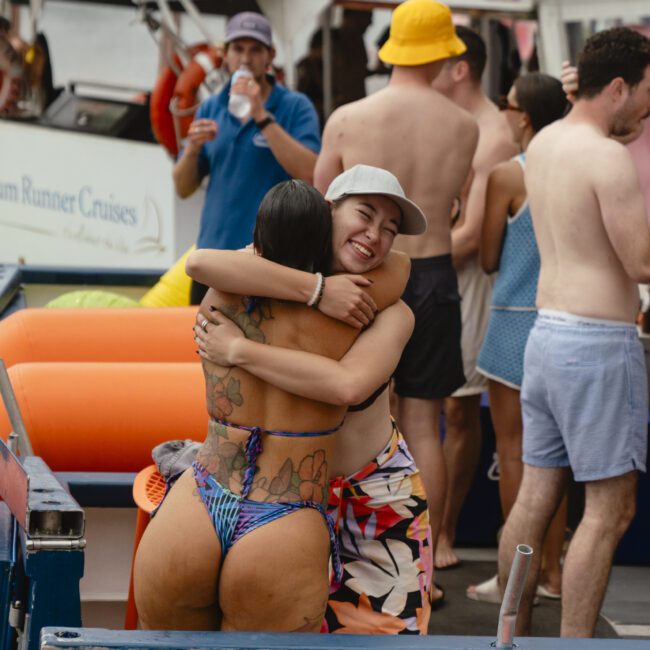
(9, 398)
(512, 596)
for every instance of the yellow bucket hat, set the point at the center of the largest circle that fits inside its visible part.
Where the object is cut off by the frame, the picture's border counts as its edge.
(421, 31)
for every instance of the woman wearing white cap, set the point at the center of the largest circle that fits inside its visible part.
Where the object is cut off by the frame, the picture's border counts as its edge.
(380, 506)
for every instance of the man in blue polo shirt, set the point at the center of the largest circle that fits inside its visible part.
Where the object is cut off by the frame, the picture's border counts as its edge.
(245, 157)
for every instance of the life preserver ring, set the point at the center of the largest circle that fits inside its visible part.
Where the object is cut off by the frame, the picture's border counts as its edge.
(185, 101)
(162, 123)
(11, 76)
(179, 95)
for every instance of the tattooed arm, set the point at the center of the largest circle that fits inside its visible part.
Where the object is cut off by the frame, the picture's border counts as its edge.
(368, 363)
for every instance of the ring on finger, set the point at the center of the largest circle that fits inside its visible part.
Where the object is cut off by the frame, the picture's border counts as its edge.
(204, 324)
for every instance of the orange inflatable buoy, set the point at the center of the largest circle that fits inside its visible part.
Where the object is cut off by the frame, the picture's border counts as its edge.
(106, 417)
(174, 99)
(98, 335)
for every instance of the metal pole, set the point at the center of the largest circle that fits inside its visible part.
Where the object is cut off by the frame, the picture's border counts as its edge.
(514, 589)
(328, 102)
(9, 398)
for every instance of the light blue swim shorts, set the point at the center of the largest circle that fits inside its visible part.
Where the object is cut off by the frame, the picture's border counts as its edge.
(584, 396)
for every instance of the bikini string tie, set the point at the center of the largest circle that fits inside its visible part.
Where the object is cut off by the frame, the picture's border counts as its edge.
(252, 451)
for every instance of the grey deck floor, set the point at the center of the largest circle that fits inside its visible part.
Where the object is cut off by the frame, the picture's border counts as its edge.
(625, 613)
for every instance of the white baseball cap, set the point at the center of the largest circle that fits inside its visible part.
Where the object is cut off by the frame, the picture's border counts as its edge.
(364, 179)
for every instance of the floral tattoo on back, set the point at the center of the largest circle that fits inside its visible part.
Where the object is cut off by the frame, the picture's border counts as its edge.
(223, 391)
(224, 459)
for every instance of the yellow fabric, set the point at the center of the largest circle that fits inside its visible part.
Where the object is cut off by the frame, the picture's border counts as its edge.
(173, 288)
(421, 31)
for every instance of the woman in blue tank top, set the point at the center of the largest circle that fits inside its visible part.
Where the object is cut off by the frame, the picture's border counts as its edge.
(508, 246)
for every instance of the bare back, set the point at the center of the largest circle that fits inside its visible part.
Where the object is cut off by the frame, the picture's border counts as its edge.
(421, 137)
(589, 222)
(234, 395)
(256, 403)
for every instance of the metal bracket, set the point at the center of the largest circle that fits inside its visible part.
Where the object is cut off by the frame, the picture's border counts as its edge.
(17, 615)
(51, 512)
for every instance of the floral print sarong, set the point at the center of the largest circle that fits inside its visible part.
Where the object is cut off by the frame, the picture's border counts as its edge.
(382, 523)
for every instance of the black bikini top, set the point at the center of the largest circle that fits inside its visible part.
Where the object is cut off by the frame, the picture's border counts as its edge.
(369, 401)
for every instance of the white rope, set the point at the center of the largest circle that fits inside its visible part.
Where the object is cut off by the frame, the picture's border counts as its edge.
(194, 14)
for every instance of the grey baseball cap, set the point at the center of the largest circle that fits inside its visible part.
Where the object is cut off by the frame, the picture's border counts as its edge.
(364, 179)
(249, 24)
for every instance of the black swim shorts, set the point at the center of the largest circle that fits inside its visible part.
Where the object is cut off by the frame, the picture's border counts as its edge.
(431, 366)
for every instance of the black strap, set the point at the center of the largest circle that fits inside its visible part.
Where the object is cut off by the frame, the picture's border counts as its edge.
(262, 124)
(368, 402)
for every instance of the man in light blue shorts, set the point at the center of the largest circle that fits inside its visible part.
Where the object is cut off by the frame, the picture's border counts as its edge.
(584, 394)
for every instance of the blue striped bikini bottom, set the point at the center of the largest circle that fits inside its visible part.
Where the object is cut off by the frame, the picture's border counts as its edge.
(234, 515)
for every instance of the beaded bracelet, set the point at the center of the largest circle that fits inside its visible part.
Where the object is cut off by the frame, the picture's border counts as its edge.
(318, 291)
(320, 294)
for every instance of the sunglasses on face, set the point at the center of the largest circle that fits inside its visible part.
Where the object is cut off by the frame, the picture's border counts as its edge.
(505, 105)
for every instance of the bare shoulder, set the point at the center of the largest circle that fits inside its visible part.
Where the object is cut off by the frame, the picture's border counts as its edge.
(336, 122)
(495, 144)
(337, 116)
(506, 175)
(396, 262)
(611, 147)
(399, 259)
(389, 279)
(342, 114)
(543, 141)
(611, 163)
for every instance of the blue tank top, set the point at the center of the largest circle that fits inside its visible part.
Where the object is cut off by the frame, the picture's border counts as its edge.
(516, 283)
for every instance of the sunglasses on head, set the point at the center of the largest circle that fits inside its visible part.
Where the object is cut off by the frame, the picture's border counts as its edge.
(505, 105)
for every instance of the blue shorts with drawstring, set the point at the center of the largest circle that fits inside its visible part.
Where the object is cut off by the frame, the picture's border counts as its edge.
(584, 396)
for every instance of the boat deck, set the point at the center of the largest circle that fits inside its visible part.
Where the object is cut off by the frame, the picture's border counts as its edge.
(625, 613)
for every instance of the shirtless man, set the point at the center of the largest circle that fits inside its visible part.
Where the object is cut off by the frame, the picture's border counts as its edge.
(460, 81)
(585, 395)
(422, 138)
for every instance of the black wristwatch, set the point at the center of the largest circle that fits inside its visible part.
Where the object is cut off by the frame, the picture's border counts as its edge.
(262, 124)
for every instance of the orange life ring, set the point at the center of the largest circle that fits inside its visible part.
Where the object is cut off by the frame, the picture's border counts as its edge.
(11, 76)
(162, 123)
(184, 103)
(180, 95)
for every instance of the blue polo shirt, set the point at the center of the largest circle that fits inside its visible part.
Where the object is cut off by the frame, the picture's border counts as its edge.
(241, 165)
